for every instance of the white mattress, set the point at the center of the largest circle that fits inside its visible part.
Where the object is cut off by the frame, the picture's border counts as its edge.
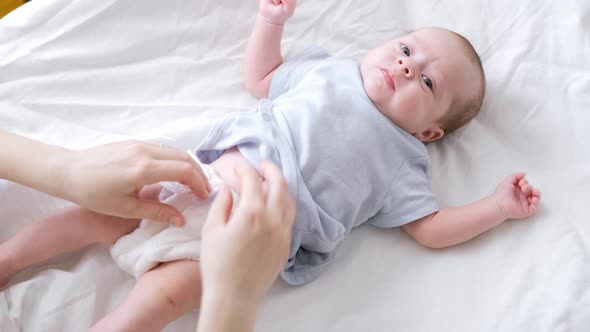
(79, 73)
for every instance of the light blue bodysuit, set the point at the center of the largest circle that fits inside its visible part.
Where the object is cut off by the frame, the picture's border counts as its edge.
(345, 162)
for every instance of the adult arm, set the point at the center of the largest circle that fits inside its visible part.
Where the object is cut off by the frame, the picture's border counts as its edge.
(105, 178)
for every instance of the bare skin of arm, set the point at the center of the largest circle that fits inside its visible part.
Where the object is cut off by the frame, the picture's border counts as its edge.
(263, 53)
(105, 178)
(514, 198)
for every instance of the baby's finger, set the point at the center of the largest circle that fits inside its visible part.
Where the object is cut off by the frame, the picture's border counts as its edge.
(527, 189)
(289, 5)
(534, 205)
(515, 177)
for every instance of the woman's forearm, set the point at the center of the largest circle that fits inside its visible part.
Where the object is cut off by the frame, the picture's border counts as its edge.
(105, 178)
(32, 163)
(226, 314)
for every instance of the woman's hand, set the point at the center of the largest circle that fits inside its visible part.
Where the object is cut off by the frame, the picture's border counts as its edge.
(108, 179)
(244, 251)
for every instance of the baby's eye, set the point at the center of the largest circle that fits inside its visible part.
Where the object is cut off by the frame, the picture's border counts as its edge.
(405, 49)
(427, 81)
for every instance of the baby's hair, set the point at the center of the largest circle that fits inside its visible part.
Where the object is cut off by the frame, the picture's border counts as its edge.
(462, 110)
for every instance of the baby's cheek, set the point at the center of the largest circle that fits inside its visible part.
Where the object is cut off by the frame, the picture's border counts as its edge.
(410, 111)
(372, 87)
(407, 106)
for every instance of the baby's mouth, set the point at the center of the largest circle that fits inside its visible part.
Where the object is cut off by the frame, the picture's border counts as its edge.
(388, 79)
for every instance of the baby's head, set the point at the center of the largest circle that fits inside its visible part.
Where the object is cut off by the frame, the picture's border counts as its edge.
(429, 82)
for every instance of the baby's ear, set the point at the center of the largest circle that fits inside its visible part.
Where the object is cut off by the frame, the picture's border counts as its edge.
(430, 135)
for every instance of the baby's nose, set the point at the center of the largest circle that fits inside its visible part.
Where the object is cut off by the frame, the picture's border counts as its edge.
(405, 67)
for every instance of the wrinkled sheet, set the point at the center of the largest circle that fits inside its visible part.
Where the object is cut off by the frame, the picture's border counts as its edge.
(80, 73)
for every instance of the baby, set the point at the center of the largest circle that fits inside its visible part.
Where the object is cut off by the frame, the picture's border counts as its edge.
(349, 139)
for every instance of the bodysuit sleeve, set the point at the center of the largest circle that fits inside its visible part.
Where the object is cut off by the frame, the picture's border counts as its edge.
(292, 71)
(409, 197)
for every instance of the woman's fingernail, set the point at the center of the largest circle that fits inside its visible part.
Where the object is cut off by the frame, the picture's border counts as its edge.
(174, 220)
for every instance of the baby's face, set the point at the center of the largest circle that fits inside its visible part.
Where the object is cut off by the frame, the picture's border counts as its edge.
(413, 79)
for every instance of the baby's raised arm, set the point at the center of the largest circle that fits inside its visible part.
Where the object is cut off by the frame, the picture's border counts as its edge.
(263, 53)
(514, 198)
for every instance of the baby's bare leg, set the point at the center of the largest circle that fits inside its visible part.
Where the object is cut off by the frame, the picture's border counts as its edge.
(65, 230)
(160, 296)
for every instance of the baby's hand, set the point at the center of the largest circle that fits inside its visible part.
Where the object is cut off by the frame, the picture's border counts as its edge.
(277, 11)
(516, 197)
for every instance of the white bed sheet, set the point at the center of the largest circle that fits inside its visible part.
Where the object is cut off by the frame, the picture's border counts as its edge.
(79, 73)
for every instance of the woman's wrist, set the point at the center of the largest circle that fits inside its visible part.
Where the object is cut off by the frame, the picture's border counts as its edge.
(60, 163)
(227, 312)
(32, 163)
(52, 169)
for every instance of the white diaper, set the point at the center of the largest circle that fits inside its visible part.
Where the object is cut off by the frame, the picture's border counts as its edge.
(154, 242)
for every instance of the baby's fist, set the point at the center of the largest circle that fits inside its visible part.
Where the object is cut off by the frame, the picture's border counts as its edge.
(516, 198)
(277, 11)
